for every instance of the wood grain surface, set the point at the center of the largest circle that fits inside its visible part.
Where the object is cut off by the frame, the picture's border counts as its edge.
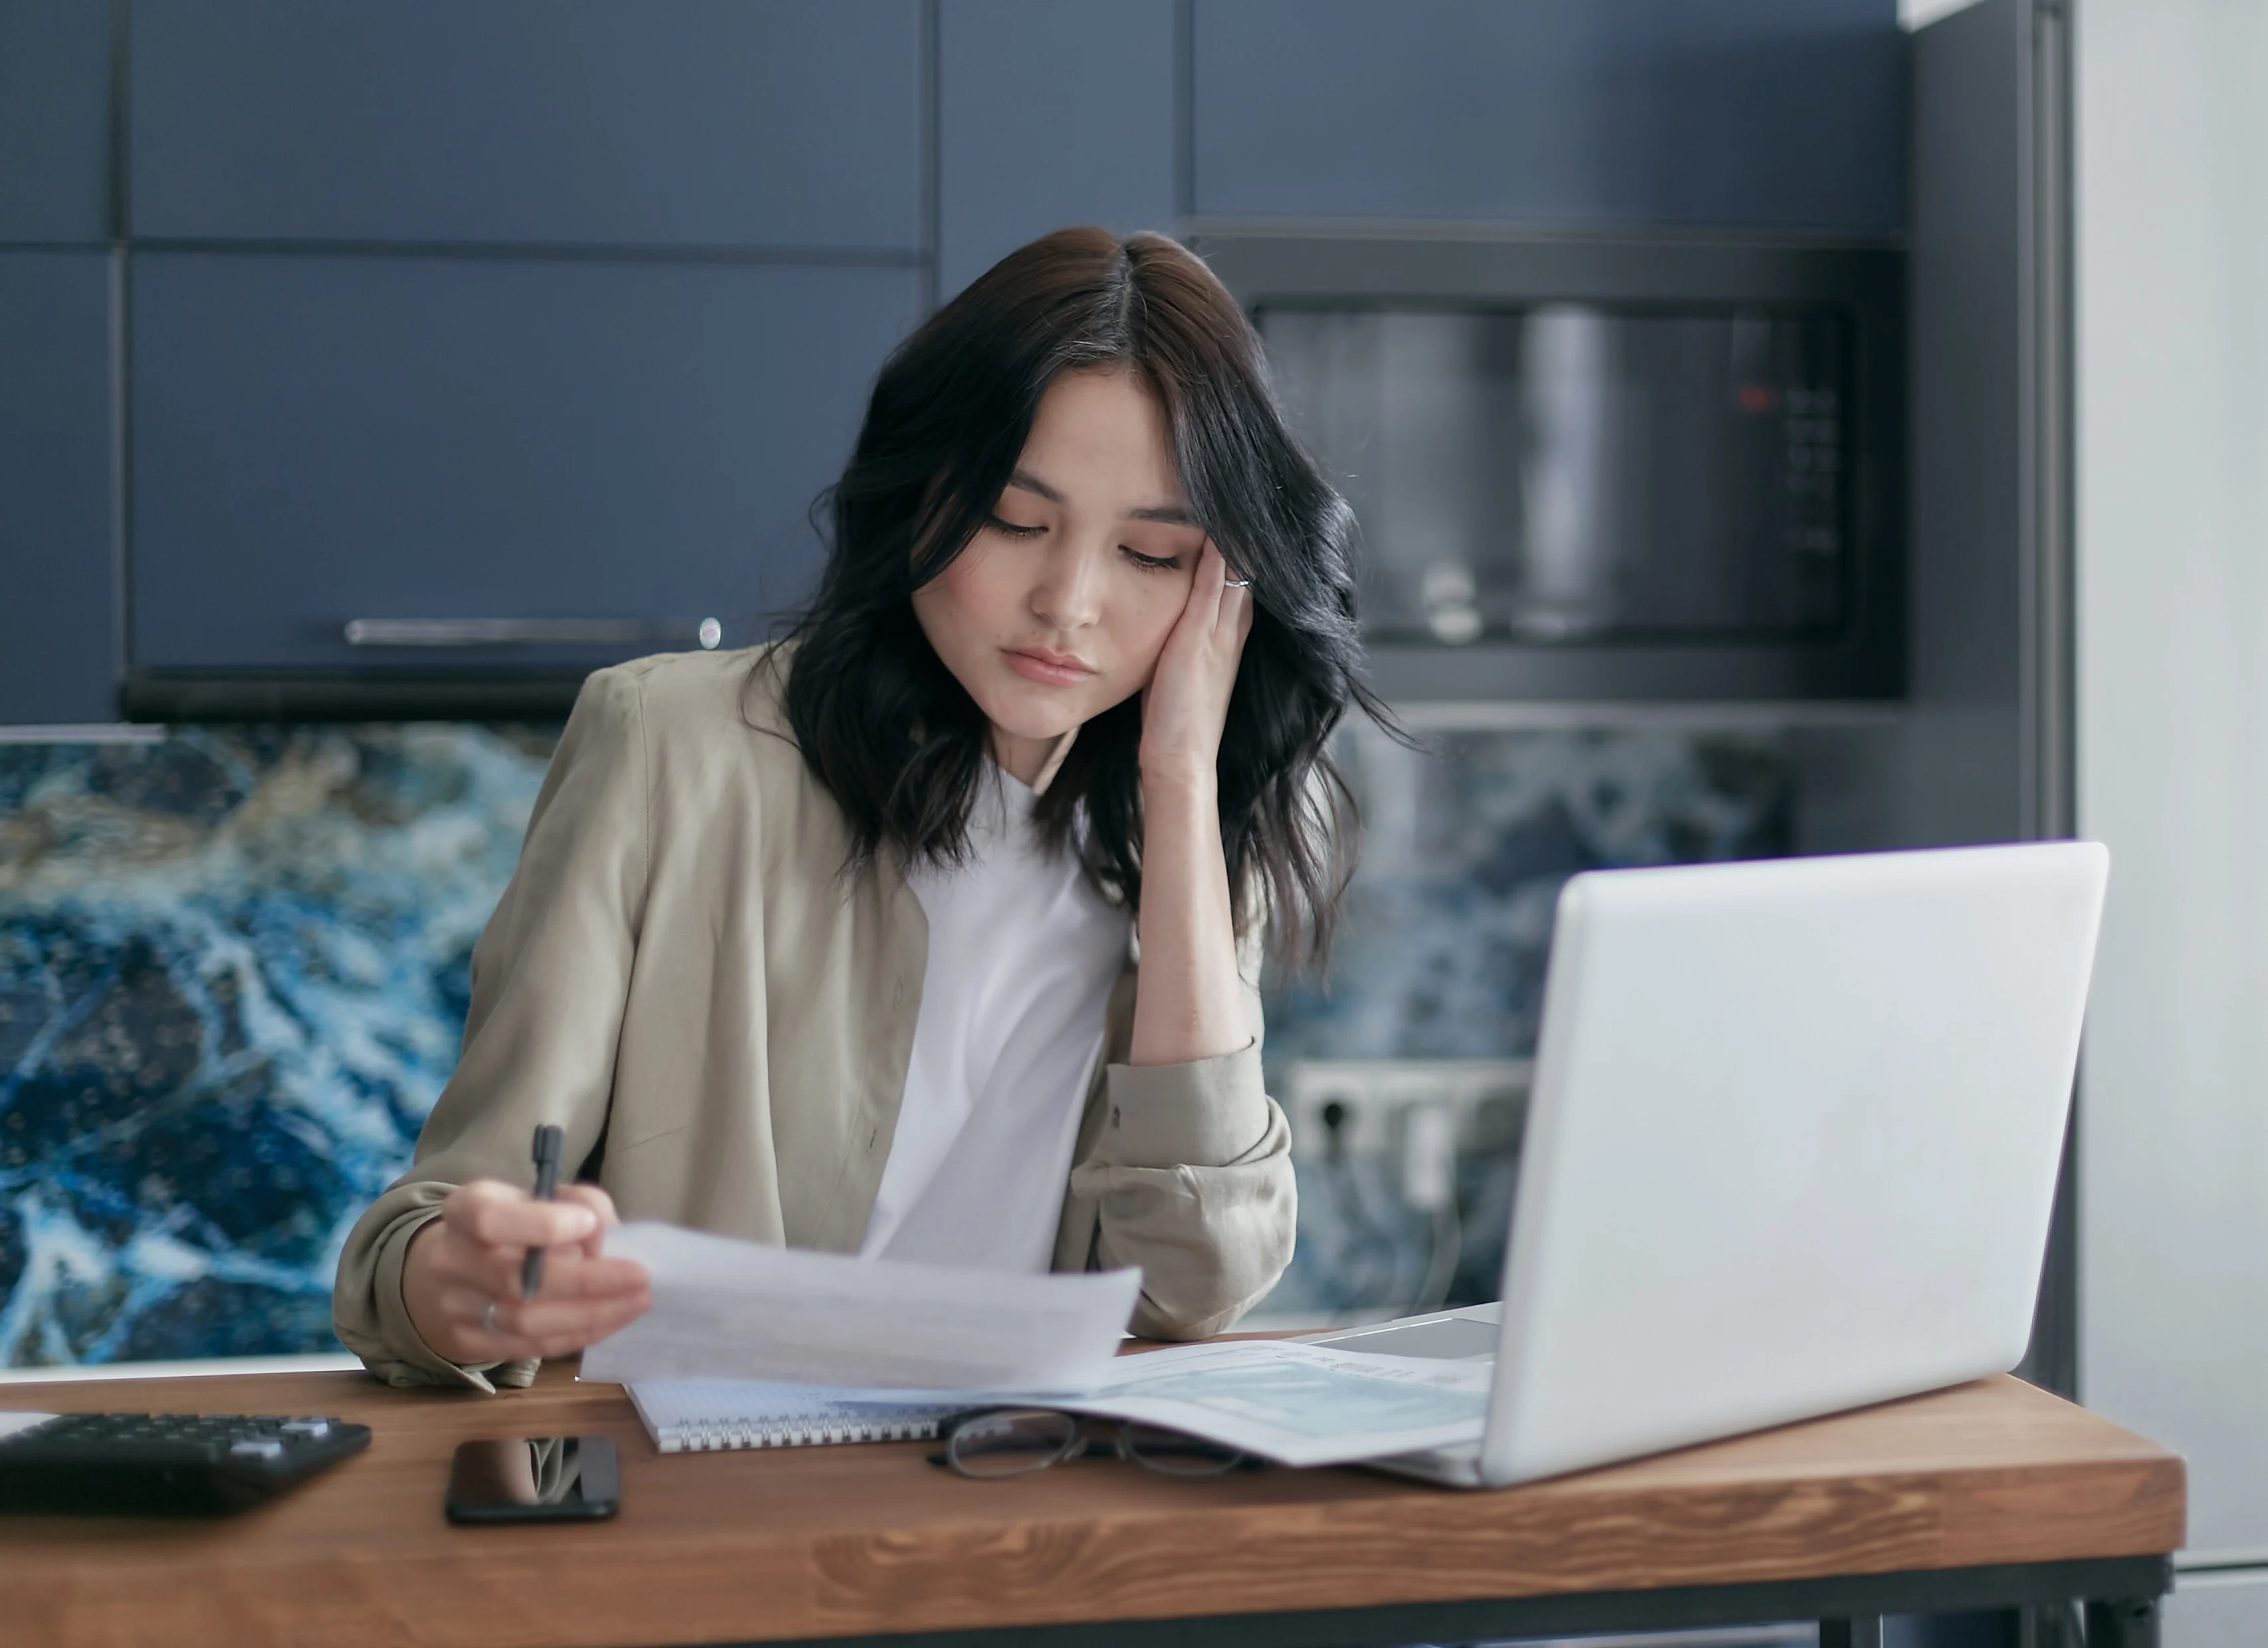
(839, 1540)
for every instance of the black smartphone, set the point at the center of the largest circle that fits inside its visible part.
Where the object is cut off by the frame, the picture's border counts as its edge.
(534, 1479)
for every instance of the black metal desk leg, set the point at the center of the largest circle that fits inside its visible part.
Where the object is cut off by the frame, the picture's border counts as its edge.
(1863, 1631)
(2120, 1622)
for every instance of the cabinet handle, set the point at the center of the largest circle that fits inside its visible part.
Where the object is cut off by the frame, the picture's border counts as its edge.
(453, 632)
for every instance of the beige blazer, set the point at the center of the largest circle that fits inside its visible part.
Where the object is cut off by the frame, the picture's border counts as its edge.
(682, 976)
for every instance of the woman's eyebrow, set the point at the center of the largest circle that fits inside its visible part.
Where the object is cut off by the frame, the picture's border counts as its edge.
(1171, 514)
(1168, 514)
(1024, 481)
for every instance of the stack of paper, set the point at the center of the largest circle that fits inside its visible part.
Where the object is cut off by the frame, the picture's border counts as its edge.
(929, 1339)
(1297, 1404)
(727, 1309)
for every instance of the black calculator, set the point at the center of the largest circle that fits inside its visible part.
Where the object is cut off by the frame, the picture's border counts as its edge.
(163, 1464)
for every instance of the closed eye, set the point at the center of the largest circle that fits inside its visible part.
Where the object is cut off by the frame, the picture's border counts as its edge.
(1012, 529)
(1156, 563)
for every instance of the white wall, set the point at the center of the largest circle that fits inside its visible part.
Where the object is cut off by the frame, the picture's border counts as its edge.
(2172, 102)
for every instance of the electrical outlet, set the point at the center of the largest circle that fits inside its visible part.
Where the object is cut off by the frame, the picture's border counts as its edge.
(1425, 1111)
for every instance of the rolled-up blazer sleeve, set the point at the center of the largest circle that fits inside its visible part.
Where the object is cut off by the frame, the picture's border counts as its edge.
(1185, 1170)
(540, 1042)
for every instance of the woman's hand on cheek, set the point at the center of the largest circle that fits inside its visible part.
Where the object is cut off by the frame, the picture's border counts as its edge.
(1186, 704)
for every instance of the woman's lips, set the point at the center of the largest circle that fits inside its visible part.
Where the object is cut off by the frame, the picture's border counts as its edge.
(1050, 669)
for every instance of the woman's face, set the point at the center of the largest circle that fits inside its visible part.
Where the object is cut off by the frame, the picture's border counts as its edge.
(1058, 608)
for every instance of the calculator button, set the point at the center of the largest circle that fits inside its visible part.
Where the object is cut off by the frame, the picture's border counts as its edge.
(308, 1428)
(257, 1447)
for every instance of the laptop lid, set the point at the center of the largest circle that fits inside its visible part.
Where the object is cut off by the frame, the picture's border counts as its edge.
(1793, 1143)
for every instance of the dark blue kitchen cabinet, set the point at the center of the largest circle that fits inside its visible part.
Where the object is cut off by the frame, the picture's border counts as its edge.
(723, 123)
(54, 120)
(1748, 114)
(1051, 111)
(58, 619)
(323, 439)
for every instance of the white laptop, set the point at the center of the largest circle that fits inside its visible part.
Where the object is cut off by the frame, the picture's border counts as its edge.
(1791, 1148)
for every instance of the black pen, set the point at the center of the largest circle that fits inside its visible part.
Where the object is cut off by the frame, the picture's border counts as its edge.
(546, 1149)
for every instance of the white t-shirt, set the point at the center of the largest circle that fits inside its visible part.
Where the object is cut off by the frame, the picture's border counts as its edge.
(1022, 955)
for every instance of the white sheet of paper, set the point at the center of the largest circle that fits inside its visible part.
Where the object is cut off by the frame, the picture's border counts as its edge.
(1297, 1404)
(725, 1309)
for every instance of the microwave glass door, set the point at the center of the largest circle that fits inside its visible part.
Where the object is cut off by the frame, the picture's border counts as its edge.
(1567, 472)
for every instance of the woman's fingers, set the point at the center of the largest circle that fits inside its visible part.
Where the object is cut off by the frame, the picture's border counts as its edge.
(569, 1272)
(462, 1279)
(581, 1283)
(1186, 704)
(580, 1300)
(1210, 610)
(559, 1331)
(499, 1216)
(1233, 612)
(488, 1228)
(593, 1198)
(1211, 582)
(1216, 601)
(540, 1328)
(600, 1203)
(1242, 600)
(576, 1277)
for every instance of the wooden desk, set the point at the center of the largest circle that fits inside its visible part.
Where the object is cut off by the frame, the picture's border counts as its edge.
(1989, 1495)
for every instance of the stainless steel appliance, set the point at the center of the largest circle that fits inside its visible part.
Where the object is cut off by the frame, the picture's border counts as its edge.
(1593, 468)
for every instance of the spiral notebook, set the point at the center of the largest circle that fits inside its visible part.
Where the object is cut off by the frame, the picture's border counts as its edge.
(691, 1416)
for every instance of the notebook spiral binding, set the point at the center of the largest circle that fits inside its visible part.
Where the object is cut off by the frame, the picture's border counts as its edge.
(691, 1438)
(704, 1417)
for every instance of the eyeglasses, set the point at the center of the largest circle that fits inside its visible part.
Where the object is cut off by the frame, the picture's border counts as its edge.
(1016, 1441)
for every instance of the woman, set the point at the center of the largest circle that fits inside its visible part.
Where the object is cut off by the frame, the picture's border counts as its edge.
(829, 944)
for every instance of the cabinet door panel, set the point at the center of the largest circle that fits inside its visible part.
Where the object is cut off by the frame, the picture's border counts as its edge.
(1049, 111)
(325, 438)
(701, 123)
(55, 120)
(1774, 112)
(58, 618)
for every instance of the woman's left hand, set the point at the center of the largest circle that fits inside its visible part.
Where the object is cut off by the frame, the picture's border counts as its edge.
(1186, 704)
(1188, 1003)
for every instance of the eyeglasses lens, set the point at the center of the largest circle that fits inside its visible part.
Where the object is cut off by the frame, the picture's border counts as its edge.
(1011, 1442)
(1175, 1454)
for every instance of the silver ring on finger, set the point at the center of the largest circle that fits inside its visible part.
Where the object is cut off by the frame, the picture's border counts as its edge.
(489, 1320)
(1237, 583)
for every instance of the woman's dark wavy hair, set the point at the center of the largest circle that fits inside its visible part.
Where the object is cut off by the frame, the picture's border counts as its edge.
(893, 737)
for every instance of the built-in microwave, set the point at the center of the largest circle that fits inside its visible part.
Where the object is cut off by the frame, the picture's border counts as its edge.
(1595, 468)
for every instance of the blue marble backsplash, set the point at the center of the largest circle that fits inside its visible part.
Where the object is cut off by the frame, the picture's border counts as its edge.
(1442, 948)
(1467, 841)
(232, 976)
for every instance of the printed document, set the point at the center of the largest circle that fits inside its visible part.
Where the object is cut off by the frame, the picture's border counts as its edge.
(1297, 1404)
(725, 1309)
